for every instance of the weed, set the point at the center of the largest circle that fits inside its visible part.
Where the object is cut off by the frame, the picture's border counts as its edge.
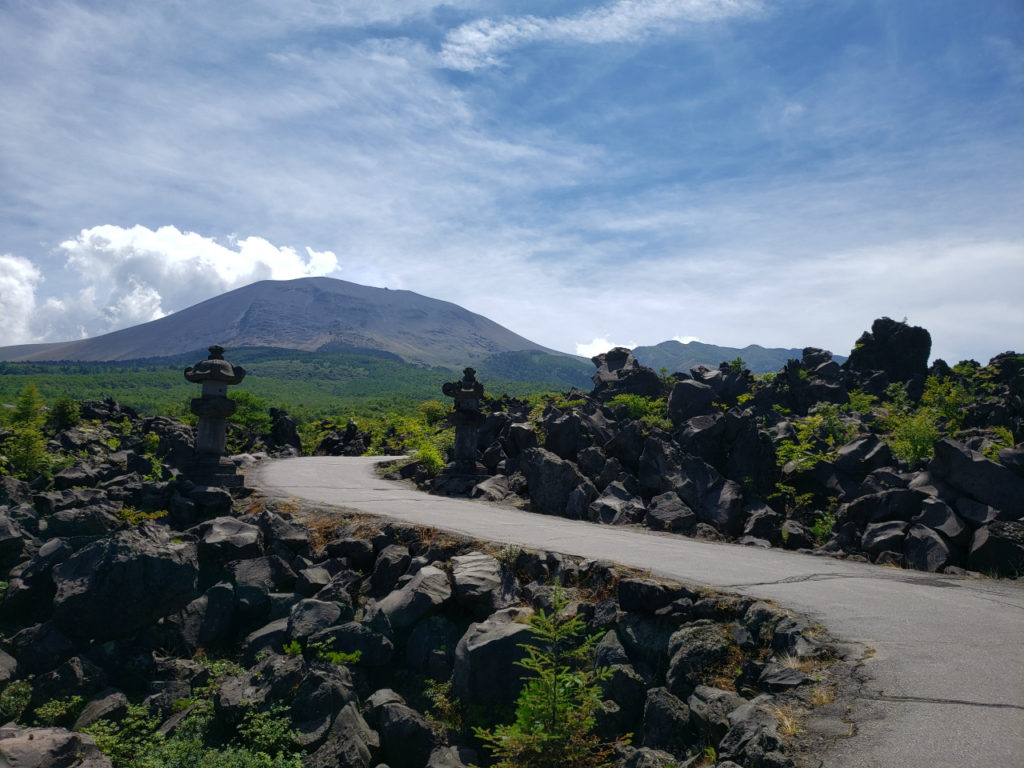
(788, 719)
(820, 696)
(133, 516)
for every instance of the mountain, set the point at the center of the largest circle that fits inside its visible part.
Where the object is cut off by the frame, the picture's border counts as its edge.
(312, 314)
(676, 356)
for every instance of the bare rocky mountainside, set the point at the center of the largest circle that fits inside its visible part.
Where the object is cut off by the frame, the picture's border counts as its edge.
(310, 314)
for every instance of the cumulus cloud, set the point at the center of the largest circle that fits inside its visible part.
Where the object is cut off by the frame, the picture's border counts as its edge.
(127, 276)
(481, 43)
(685, 339)
(18, 280)
(599, 345)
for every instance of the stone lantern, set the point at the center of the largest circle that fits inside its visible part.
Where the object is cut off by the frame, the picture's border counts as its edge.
(459, 476)
(213, 406)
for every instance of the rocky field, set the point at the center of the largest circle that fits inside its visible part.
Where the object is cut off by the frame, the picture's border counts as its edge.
(147, 621)
(882, 458)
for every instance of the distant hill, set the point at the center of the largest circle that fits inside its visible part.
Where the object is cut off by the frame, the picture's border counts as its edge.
(677, 356)
(313, 313)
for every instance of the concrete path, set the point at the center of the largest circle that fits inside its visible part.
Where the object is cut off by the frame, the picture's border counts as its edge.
(946, 682)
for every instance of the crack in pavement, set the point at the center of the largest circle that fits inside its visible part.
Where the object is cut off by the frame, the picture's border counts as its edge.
(794, 580)
(930, 700)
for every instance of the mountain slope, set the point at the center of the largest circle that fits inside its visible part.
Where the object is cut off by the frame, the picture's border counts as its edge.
(676, 356)
(307, 314)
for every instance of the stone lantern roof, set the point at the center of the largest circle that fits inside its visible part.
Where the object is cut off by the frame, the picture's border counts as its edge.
(215, 369)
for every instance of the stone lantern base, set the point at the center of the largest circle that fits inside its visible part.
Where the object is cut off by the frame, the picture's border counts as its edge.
(459, 477)
(214, 470)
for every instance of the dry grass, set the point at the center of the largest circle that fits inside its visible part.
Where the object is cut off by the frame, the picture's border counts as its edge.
(809, 665)
(723, 674)
(820, 695)
(788, 718)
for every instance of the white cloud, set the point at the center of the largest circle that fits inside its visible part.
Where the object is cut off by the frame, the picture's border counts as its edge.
(18, 280)
(599, 345)
(480, 43)
(685, 339)
(127, 276)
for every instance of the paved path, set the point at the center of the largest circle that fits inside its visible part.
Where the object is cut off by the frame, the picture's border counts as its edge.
(946, 686)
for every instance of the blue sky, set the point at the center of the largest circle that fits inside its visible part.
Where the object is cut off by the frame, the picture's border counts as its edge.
(587, 174)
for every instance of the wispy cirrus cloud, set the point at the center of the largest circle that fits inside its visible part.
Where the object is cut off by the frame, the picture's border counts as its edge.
(482, 42)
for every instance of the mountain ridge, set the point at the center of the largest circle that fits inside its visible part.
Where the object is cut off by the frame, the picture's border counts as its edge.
(315, 314)
(307, 314)
(676, 356)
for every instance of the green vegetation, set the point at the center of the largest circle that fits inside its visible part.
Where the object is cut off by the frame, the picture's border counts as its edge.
(650, 411)
(59, 712)
(262, 740)
(860, 402)
(823, 526)
(309, 384)
(554, 721)
(134, 516)
(1004, 439)
(322, 651)
(818, 436)
(737, 365)
(14, 699)
(912, 428)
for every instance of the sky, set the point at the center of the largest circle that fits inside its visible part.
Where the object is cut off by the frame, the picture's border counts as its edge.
(587, 174)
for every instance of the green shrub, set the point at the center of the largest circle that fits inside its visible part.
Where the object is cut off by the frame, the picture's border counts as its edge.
(15, 698)
(860, 401)
(29, 408)
(64, 414)
(823, 526)
(269, 732)
(133, 516)
(1003, 439)
(555, 712)
(947, 399)
(433, 412)
(913, 436)
(737, 365)
(26, 451)
(59, 711)
(446, 711)
(649, 411)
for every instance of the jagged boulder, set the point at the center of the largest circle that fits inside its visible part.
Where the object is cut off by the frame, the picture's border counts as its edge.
(616, 505)
(689, 399)
(927, 550)
(427, 590)
(863, 455)
(480, 585)
(693, 650)
(485, 671)
(406, 738)
(666, 722)
(753, 737)
(667, 512)
(983, 480)
(998, 548)
(899, 350)
(550, 480)
(618, 372)
(123, 583)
